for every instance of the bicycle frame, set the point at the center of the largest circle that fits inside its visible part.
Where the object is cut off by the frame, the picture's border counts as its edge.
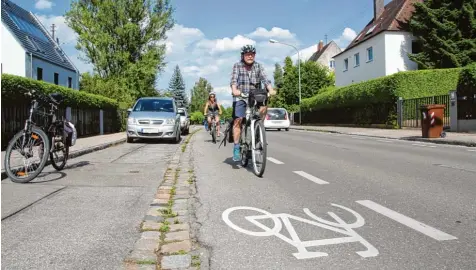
(49, 127)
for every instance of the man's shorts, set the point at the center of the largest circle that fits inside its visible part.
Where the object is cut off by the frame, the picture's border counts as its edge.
(239, 109)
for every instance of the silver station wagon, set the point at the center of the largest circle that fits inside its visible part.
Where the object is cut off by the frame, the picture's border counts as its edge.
(153, 118)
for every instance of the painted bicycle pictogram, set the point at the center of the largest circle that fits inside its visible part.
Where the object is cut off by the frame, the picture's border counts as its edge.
(340, 226)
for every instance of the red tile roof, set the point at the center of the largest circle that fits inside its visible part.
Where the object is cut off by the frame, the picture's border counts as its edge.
(395, 14)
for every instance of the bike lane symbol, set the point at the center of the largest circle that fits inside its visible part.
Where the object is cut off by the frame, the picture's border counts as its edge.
(340, 226)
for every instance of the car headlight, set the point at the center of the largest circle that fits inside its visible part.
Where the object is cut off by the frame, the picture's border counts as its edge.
(170, 121)
(131, 121)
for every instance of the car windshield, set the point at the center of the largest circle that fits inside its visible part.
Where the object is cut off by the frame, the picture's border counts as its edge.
(154, 105)
(277, 113)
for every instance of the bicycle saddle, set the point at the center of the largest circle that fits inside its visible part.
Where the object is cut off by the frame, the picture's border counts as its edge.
(56, 98)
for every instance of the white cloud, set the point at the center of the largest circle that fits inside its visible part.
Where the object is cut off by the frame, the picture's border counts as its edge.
(275, 32)
(305, 54)
(43, 4)
(225, 44)
(65, 34)
(346, 37)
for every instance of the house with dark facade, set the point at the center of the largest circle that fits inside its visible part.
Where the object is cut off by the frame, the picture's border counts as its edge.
(29, 50)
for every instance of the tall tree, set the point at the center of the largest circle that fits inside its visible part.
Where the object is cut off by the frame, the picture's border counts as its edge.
(278, 75)
(446, 30)
(123, 40)
(200, 95)
(177, 88)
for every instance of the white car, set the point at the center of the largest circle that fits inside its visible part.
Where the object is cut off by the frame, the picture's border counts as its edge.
(184, 121)
(277, 118)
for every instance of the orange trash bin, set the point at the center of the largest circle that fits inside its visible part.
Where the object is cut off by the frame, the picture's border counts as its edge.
(432, 120)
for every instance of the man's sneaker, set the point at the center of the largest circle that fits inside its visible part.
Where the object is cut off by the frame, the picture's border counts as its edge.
(236, 154)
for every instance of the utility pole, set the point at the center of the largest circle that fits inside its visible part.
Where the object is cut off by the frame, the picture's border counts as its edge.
(53, 30)
(326, 38)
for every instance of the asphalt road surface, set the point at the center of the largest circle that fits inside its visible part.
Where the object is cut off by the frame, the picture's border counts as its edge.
(330, 201)
(86, 216)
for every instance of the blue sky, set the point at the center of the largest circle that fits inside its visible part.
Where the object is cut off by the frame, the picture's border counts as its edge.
(208, 34)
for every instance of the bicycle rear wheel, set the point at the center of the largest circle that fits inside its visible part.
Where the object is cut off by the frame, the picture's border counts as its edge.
(258, 148)
(37, 140)
(214, 133)
(60, 147)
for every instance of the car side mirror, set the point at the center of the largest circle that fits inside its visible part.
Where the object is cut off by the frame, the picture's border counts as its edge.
(129, 111)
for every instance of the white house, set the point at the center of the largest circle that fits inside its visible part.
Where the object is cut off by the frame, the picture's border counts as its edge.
(29, 50)
(381, 48)
(324, 54)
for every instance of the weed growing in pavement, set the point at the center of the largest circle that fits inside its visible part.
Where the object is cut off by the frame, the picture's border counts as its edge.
(184, 145)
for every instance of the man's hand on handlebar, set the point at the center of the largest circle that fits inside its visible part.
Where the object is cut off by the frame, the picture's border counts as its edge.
(236, 93)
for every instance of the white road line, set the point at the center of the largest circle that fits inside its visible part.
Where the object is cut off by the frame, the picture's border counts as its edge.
(310, 177)
(275, 161)
(384, 141)
(409, 222)
(423, 145)
(357, 137)
(470, 150)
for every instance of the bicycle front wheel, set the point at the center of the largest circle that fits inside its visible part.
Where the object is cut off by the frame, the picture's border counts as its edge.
(23, 171)
(258, 149)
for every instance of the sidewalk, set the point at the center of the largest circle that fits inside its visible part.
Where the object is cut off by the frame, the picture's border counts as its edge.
(465, 139)
(86, 145)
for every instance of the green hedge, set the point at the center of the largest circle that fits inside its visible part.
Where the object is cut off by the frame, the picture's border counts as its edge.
(360, 100)
(12, 91)
(408, 84)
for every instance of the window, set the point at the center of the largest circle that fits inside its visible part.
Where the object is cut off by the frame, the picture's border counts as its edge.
(332, 63)
(416, 47)
(56, 78)
(370, 54)
(39, 74)
(356, 60)
(346, 64)
(27, 27)
(70, 82)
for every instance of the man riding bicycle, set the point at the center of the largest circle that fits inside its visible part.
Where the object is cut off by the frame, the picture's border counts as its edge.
(247, 75)
(212, 108)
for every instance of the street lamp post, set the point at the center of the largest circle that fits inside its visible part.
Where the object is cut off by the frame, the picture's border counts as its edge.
(299, 71)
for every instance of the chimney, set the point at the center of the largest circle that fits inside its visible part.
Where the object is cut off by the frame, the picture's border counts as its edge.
(320, 45)
(378, 9)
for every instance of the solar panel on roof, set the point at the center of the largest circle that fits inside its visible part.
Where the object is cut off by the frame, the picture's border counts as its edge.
(27, 27)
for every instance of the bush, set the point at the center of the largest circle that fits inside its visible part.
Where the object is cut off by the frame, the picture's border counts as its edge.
(197, 117)
(12, 91)
(361, 102)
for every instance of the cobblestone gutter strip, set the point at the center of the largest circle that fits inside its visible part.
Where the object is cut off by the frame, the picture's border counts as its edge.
(166, 240)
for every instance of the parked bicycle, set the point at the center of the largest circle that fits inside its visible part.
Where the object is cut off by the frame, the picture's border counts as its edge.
(48, 139)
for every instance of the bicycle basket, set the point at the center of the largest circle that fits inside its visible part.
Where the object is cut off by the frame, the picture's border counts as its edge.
(258, 95)
(71, 133)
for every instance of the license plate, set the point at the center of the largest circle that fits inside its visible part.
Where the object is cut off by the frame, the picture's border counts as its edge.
(150, 130)
(276, 122)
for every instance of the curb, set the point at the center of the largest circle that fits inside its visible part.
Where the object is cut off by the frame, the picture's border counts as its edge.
(81, 152)
(450, 142)
(167, 239)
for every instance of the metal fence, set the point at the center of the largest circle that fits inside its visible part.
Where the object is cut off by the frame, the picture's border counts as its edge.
(411, 113)
(86, 121)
